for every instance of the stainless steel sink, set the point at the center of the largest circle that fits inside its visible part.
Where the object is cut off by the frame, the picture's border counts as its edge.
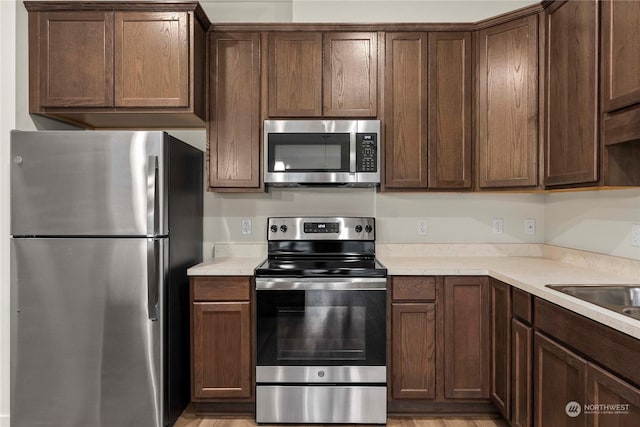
(624, 299)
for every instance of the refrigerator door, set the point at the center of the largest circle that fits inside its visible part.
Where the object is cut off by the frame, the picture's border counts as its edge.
(85, 350)
(88, 183)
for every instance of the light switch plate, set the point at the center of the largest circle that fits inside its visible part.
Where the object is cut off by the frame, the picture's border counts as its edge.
(635, 235)
(530, 226)
(423, 227)
(498, 225)
(245, 226)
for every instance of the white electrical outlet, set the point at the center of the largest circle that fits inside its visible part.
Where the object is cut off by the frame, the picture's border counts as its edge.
(635, 235)
(245, 226)
(423, 227)
(530, 226)
(498, 226)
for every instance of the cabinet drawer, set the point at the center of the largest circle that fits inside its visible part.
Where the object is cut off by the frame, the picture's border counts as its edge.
(223, 288)
(521, 305)
(413, 288)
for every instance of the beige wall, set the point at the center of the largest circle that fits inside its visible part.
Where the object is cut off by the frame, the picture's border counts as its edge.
(597, 221)
(7, 122)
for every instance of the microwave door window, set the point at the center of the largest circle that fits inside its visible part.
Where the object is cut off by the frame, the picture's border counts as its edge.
(309, 153)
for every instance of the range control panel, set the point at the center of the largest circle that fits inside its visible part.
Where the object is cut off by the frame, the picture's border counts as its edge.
(366, 152)
(320, 228)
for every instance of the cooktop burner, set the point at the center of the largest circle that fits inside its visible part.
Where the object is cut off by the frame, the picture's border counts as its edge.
(321, 246)
(314, 267)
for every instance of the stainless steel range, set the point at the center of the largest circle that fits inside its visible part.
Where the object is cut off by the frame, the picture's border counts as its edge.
(321, 323)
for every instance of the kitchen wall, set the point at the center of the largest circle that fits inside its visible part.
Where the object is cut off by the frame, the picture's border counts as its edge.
(7, 122)
(597, 221)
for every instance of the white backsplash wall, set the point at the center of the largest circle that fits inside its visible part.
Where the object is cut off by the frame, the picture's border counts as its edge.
(458, 217)
(452, 217)
(597, 221)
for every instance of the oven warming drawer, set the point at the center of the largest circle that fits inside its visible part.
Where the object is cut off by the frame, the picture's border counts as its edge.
(321, 404)
(321, 374)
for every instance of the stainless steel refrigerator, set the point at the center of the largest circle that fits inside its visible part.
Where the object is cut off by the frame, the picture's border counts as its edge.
(104, 225)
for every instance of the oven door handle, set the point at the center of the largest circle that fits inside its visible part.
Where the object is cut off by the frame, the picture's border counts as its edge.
(356, 284)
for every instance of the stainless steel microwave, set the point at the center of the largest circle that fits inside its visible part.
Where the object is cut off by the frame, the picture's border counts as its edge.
(322, 152)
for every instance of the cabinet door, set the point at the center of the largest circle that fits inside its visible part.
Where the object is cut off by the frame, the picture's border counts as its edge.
(350, 74)
(466, 337)
(500, 306)
(450, 89)
(234, 115)
(571, 93)
(295, 74)
(521, 374)
(559, 385)
(76, 59)
(221, 334)
(406, 110)
(508, 104)
(620, 60)
(604, 388)
(151, 59)
(413, 346)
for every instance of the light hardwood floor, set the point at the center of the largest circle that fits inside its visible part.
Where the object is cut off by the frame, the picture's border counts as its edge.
(190, 419)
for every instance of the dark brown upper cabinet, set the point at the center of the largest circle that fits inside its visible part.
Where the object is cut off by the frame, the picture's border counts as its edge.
(142, 63)
(295, 74)
(571, 78)
(350, 74)
(507, 129)
(152, 59)
(405, 95)
(331, 74)
(71, 39)
(234, 112)
(428, 96)
(620, 91)
(620, 60)
(449, 115)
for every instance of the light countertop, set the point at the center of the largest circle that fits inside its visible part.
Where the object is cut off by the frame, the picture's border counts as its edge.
(529, 273)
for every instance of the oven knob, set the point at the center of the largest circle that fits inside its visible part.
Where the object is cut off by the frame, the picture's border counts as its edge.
(368, 228)
(283, 228)
(321, 374)
(274, 228)
(358, 229)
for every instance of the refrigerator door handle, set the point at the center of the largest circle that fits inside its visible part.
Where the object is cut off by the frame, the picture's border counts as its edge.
(153, 277)
(152, 196)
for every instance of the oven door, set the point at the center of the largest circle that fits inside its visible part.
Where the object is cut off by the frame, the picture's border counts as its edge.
(321, 330)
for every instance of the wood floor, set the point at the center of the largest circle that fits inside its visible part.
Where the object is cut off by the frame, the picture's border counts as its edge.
(190, 419)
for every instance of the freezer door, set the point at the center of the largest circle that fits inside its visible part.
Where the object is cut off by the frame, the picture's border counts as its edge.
(84, 351)
(88, 183)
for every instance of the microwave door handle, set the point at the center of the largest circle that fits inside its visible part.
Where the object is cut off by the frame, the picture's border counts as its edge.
(352, 152)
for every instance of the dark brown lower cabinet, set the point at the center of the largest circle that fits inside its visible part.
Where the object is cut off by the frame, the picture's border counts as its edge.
(500, 385)
(623, 400)
(521, 374)
(221, 337)
(413, 347)
(466, 337)
(559, 385)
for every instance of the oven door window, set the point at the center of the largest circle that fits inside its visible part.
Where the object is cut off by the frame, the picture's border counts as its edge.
(309, 152)
(321, 328)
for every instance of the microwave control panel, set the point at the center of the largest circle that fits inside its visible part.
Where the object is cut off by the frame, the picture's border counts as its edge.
(366, 152)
